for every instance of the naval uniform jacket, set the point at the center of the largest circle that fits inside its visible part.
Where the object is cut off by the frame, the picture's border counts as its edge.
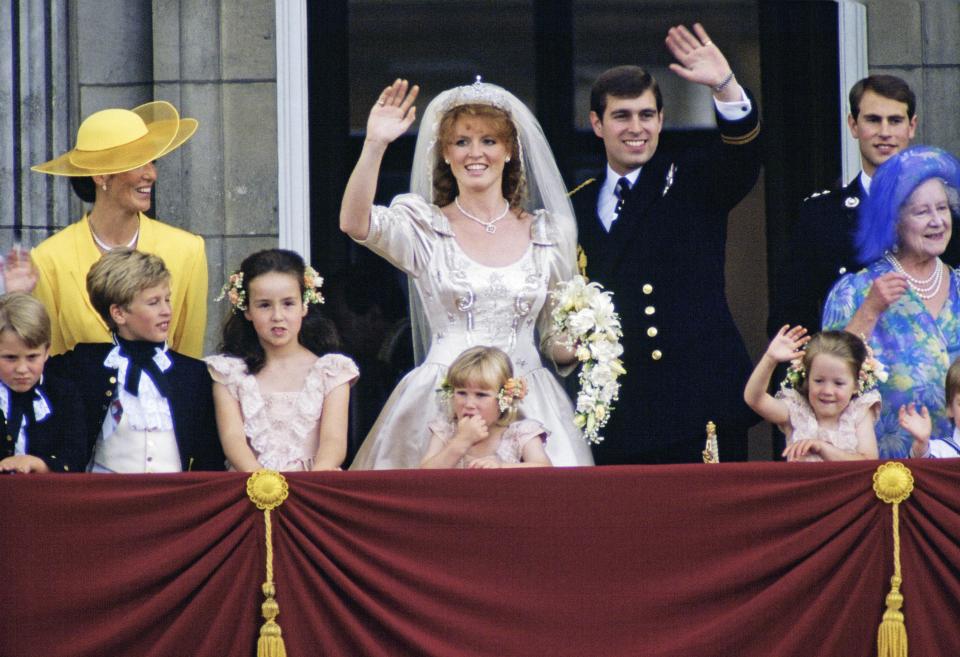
(821, 249)
(58, 440)
(664, 261)
(190, 400)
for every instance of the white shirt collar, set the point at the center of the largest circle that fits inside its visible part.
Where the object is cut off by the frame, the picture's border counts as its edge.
(613, 177)
(865, 181)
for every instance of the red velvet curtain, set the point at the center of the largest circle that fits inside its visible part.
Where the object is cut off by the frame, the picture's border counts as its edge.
(766, 559)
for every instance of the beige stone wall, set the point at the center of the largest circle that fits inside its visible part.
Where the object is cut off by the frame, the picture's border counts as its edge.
(920, 42)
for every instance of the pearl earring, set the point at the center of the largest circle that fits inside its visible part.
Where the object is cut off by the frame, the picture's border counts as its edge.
(447, 162)
(508, 158)
(103, 186)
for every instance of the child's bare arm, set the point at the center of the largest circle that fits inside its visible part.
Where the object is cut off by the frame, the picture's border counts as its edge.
(332, 447)
(446, 454)
(785, 346)
(534, 455)
(230, 427)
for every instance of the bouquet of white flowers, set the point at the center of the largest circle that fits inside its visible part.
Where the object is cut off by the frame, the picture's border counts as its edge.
(584, 314)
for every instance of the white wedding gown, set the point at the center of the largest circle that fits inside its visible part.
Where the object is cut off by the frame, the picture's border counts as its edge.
(467, 304)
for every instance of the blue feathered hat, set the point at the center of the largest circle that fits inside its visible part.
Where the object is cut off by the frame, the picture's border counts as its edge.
(892, 185)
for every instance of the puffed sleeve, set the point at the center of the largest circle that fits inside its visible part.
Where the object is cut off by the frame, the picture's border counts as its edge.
(228, 371)
(442, 428)
(868, 402)
(335, 370)
(799, 415)
(523, 431)
(405, 232)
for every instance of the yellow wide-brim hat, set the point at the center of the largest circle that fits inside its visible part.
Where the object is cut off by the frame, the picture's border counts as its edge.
(118, 140)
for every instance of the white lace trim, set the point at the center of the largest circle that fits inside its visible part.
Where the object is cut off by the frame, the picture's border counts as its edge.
(149, 411)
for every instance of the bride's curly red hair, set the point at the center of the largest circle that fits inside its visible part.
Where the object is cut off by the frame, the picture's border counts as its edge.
(445, 184)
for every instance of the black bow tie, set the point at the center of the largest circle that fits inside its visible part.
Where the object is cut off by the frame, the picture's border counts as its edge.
(21, 406)
(139, 355)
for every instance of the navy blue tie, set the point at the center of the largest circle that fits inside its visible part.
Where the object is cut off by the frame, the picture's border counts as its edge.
(623, 186)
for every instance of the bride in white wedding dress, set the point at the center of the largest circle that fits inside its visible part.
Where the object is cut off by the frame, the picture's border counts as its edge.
(496, 235)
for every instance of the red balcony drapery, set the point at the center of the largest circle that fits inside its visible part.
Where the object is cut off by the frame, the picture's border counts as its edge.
(674, 561)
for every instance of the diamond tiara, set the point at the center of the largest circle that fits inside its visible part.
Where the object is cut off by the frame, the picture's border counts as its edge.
(478, 93)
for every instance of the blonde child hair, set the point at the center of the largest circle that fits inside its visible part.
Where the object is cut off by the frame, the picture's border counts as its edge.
(119, 275)
(25, 317)
(488, 367)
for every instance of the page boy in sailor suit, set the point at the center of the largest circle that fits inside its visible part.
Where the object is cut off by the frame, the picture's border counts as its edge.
(40, 417)
(150, 409)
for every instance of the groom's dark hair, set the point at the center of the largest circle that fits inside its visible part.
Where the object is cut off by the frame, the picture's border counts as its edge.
(622, 82)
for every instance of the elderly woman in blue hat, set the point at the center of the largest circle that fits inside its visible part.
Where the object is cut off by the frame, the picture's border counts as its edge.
(112, 166)
(906, 302)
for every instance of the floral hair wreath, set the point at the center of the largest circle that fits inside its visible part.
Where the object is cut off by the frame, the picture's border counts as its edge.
(233, 290)
(872, 372)
(512, 393)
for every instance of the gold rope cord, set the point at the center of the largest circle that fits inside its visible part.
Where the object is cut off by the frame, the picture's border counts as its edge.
(893, 483)
(267, 489)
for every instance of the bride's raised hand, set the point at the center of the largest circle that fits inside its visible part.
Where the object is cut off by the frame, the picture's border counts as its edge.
(393, 113)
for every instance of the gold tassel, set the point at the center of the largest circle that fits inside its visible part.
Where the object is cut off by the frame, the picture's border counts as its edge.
(267, 489)
(711, 451)
(893, 483)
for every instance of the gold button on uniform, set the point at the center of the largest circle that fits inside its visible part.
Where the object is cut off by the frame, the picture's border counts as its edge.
(652, 331)
(842, 270)
(109, 393)
(656, 354)
(647, 288)
(113, 379)
(649, 310)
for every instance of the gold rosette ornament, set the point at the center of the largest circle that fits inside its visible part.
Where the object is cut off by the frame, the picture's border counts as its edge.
(267, 489)
(893, 484)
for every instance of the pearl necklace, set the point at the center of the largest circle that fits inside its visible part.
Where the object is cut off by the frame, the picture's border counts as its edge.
(106, 247)
(926, 288)
(487, 225)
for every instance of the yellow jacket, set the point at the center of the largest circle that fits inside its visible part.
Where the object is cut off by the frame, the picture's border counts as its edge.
(62, 263)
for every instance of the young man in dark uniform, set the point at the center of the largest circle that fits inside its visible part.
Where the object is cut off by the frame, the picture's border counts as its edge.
(653, 230)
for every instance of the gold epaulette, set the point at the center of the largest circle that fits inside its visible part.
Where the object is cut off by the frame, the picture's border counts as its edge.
(576, 189)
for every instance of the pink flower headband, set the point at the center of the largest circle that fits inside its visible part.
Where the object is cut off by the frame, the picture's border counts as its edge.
(233, 290)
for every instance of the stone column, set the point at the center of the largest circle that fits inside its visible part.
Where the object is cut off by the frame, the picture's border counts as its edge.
(918, 42)
(216, 61)
(35, 104)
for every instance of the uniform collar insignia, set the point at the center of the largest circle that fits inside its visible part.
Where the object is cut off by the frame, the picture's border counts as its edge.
(851, 201)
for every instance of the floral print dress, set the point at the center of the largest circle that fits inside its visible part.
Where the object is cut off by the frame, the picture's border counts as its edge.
(915, 347)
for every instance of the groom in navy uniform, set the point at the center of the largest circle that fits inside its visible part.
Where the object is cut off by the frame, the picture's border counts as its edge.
(653, 230)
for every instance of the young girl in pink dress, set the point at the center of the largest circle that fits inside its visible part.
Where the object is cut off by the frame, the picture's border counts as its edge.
(480, 424)
(281, 399)
(829, 403)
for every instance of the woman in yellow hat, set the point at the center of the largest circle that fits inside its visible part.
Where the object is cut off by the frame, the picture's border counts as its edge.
(112, 167)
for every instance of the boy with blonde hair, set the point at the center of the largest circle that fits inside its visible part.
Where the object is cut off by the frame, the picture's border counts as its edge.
(149, 408)
(40, 416)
